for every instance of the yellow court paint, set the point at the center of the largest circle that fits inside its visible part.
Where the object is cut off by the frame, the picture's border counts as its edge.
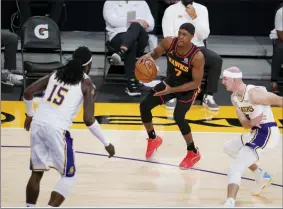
(126, 116)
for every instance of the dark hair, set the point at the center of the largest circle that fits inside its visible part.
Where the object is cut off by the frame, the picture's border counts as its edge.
(188, 27)
(72, 73)
(83, 53)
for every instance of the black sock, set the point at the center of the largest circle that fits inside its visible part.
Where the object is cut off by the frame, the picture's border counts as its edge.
(209, 93)
(191, 147)
(151, 134)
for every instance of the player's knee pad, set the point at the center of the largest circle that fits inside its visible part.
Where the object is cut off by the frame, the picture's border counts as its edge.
(65, 185)
(145, 111)
(234, 175)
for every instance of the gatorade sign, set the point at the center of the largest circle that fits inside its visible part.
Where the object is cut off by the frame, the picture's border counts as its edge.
(41, 31)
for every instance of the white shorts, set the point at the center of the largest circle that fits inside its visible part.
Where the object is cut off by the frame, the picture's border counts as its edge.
(257, 139)
(51, 148)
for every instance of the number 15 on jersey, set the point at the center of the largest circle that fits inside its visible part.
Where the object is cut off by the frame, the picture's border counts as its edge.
(57, 95)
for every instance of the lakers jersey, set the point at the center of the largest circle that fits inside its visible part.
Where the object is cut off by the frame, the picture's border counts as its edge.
(179, 67)
(251, 110)
(60, 104)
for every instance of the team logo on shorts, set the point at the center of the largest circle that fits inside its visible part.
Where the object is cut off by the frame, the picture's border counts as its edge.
(71, 171)
(41, 31)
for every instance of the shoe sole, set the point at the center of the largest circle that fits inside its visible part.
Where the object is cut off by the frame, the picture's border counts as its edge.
(213, 109)
(116, 60)
(154, 152)
(132, 94)
(262, 188)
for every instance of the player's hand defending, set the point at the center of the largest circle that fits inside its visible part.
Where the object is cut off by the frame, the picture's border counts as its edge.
(27, 122)
(167, 90)
(111, 150)
(258, 120)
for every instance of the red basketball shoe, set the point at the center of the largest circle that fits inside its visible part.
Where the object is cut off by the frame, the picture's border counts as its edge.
(190, 160)
(152, 145)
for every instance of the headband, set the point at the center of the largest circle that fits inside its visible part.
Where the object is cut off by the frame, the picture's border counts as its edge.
(87, 62)
(229, 74)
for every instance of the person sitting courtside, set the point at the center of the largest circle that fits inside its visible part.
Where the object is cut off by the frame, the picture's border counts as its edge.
(127, 24)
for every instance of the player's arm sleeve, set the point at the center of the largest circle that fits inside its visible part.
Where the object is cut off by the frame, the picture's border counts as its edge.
(89, 92)
(111, 17)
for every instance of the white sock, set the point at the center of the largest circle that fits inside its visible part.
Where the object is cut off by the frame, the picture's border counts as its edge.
(230, 201)
(30, 205)
(257, 172)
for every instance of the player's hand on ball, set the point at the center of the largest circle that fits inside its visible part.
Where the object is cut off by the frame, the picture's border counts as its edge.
(111, 150)
(144, 58)
(27, 122)
(167, 90)
(258, 120)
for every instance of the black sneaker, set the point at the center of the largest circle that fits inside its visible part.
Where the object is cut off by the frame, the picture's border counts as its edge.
(133, 89)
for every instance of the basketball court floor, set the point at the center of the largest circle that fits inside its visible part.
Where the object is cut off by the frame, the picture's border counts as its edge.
(128, 179)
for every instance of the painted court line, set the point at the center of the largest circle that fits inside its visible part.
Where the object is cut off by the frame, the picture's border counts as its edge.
(145, 161)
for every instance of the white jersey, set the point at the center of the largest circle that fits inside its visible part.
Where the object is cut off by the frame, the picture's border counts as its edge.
(268, 135)
(60, 104)
(251, 110)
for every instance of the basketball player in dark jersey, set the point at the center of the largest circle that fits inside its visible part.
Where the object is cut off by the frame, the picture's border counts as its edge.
(185, 64)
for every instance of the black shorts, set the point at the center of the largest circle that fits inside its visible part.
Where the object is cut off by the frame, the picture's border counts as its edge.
(183, 97)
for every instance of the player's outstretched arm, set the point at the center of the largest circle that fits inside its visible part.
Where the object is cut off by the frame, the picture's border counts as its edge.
(89, 93)
(197, 72)
(262, 97)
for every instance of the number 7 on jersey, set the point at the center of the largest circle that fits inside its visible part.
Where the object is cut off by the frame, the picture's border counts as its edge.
(57, 95)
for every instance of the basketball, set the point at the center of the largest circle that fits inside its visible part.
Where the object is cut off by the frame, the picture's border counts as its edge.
(146, 70)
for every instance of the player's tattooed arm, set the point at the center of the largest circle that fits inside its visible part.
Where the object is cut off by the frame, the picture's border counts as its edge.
(36, 87)
(161, 48)
(89, 93)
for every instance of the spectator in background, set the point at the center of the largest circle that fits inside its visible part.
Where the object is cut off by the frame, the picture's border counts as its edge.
(277, 58)
(152, 38)
(10, 42)
(127, 24)
(197, 14)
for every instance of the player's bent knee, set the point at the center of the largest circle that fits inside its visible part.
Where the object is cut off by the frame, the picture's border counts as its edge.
(65, 185)
(182, 124)
(145, 111)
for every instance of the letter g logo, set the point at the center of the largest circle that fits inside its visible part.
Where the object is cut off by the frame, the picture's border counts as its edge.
(41, 31)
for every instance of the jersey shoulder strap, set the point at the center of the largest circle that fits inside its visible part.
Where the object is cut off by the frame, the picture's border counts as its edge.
(172, 45)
